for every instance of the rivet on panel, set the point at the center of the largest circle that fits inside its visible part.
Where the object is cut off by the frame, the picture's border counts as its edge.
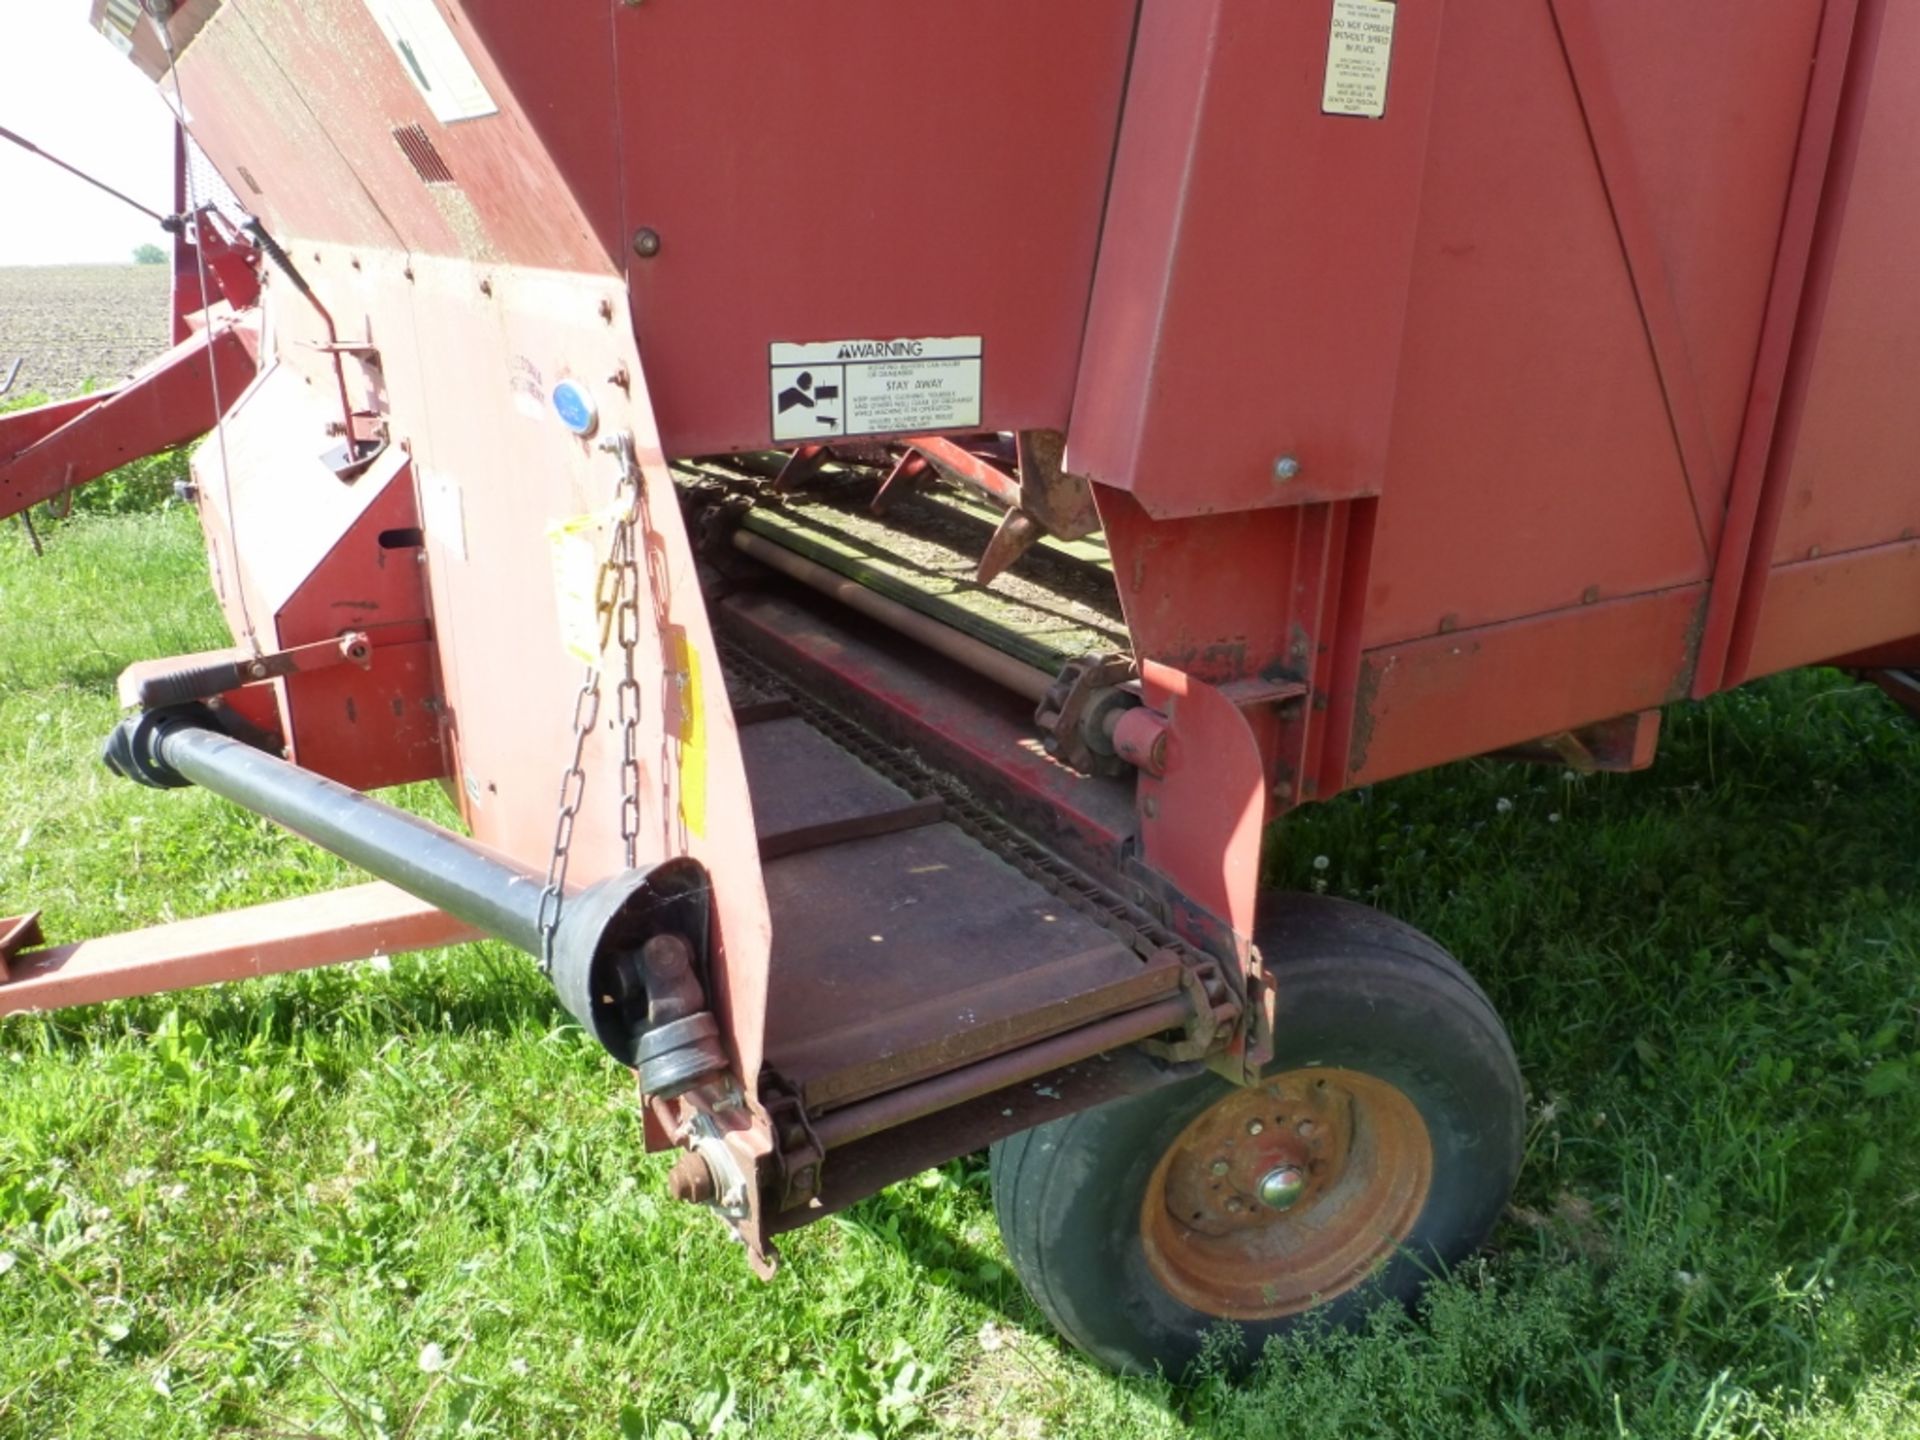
(646, 242)
(1590, 595)
(1286, 468)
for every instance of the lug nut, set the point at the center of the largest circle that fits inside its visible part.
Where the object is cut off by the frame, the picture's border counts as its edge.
(1282, 1187)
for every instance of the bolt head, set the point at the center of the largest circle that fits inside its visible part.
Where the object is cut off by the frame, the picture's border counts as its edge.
(1219, 1167)
(1282, 1187)
(1286, 468)
(646, 242)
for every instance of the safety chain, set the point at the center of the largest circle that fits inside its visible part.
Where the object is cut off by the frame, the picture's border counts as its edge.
(616, 605)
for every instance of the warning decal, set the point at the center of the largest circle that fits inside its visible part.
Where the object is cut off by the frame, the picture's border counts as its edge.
(1359, 57)
(875, 387)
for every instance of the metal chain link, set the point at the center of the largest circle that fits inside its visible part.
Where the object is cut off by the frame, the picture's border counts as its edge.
(677, 697)
(628, 696)
(616, 604)
(573, 790)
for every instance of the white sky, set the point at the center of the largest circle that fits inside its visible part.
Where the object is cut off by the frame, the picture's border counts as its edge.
(70, 92)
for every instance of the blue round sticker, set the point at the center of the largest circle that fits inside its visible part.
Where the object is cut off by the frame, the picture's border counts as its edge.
(575, 407)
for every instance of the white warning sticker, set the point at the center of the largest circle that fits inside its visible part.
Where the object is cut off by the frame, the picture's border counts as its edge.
(875, 387)
(430, 53)
(1359, 58)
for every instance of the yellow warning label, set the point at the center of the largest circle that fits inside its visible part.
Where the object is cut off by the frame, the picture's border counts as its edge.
(693, 735)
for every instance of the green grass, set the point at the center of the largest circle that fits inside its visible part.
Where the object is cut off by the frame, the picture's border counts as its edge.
(409, 1199)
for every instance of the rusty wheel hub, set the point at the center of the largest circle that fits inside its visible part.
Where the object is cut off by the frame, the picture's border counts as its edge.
(1286, 1194)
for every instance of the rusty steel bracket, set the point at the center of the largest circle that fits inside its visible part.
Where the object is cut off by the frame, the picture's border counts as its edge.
(1254, 693)
(1618, 746)
(1077, 716)
(731, 1161)
(1049, 492)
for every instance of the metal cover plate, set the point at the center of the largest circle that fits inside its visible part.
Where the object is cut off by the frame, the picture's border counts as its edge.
(908, 955)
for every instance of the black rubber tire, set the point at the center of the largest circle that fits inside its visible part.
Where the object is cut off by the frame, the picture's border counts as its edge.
(1357, 990)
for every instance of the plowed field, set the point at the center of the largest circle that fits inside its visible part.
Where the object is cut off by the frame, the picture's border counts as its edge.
(71, 324)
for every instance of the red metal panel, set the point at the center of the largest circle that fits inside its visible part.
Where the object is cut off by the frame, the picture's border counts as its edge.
(1200, 823)
(1818, 610)
(506, 200)
(559, 61)
(1749, 493)
(1450, 696)
(1262, 596)
(469, 376)
(810, 182)
(372, 728)
(271, 508)
(1254, 269)
(299, 106)
(251, 119)
(1854, 456)
(1838, 468)
(305, 558)
(1694, 112)
(21, 428)
(1533, 457)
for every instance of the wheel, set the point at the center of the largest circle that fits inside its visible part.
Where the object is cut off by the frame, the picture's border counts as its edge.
(1380, 1146)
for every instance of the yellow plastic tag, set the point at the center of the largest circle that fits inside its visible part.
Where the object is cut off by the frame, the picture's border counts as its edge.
(576, 572)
